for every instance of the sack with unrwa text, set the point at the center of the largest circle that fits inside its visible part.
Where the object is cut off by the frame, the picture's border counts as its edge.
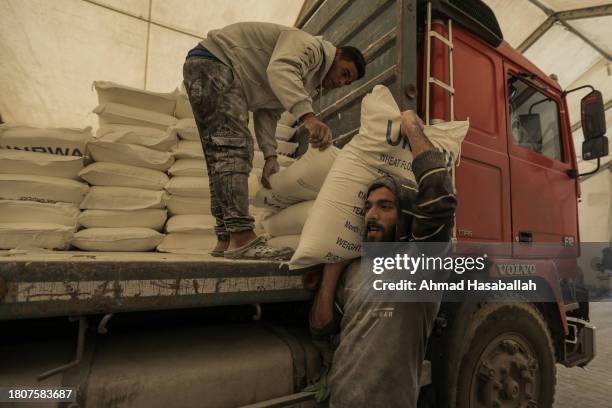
(130, 154)
(109, 113)
(147, 218)
(289, 221)
(123, 175)
(188, 149)
(189, 186)
(188, 243)
(191, 223)
(42, 189)
(186, 129)
(299, 182)
(156, 139)
(41, 164)
(161, 102)
(181, 205)
(42, 213)
(60, 141)
(376, 150)
(117, 239)
(123, 198)
(37, 235)
(188, 167)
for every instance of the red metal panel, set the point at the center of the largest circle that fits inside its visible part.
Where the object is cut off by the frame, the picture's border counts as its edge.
(483, 178)
(544, 198)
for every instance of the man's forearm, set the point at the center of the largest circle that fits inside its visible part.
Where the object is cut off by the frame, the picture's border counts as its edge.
(265, 127)
(417, 139)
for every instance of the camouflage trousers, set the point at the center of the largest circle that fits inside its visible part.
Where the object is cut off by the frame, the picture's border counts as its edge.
(221, 115)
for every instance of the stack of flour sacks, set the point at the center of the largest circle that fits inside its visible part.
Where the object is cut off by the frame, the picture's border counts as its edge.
(288, 203)
(190, 228)
(319, 199)
(40, 188)
(125, 209)
(290, 200)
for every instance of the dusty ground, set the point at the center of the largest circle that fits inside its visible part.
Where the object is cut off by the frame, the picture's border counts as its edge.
(590, 387)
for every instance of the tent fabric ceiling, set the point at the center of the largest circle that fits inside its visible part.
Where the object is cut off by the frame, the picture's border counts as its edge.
(52, 51)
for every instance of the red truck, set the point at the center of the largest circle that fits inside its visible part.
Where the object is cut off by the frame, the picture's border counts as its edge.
(196, 331)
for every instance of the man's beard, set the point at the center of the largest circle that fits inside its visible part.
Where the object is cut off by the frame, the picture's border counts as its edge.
(387, 235)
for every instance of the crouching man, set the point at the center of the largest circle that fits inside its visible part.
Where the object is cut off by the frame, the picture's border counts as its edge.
(382, 344)
(266, 69)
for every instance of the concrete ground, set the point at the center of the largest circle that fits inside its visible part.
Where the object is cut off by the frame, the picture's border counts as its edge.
(590, 387)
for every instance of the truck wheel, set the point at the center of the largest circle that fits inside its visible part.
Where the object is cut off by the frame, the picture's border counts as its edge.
(507, 359)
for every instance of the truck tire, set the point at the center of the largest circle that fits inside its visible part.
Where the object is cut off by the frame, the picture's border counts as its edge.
(506, 358)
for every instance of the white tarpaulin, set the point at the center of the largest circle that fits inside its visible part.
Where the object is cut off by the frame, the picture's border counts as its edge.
(52, 51)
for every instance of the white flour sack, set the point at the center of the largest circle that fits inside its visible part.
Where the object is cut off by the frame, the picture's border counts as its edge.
(289, 221)
(32, 212)
(283, 132)
(189, 186)
(259, 161)
(188, 149)
(123, 175)
(161, 102)
(287, 119)
(299, 182)
(191, 224)
(186, 243)
(334, 228)
(286, 148)
(188, 167)
(128, 115)
(117, 239)
(187, 129)
(38, 235)
(180, 205)
(183, 107)
(282, 241)
(42, 164)
(123, 198)
(40, 188)
(152, 138)
(130, 154)
(60, 141)
(255, 183)
(149, 218)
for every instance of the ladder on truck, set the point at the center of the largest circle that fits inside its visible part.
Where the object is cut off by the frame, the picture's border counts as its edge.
(431, 80)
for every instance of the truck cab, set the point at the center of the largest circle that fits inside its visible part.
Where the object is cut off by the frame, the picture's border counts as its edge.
(517, 186)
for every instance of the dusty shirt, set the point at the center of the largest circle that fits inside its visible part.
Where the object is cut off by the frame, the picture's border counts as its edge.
(279, 67)
(382, 344)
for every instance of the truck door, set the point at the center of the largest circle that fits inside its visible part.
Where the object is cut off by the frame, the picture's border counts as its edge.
(543, 196)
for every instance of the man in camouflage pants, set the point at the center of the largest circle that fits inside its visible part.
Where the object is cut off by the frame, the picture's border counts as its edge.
(264, 68)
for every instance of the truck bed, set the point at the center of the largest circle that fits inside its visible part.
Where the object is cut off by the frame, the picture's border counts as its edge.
(71, 283)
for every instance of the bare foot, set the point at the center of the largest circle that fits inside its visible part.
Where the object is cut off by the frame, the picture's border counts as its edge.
(240, 239)
(221, 246)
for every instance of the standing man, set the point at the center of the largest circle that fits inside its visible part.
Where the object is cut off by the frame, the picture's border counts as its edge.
(267, 69)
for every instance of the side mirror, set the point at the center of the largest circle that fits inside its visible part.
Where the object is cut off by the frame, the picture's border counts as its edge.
(595, 148)
(593, 116)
